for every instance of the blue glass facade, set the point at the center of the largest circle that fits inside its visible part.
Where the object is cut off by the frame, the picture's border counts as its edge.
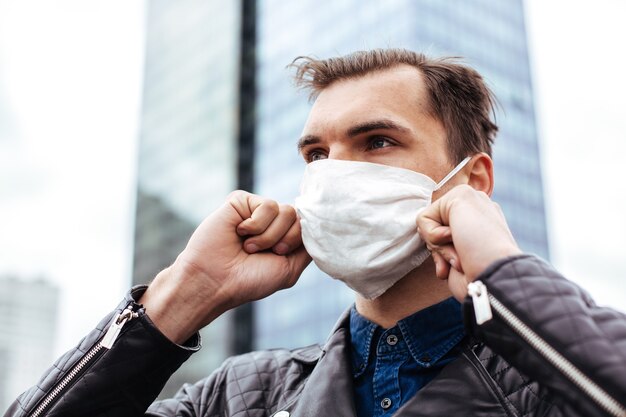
(188, 144)
(489, 35)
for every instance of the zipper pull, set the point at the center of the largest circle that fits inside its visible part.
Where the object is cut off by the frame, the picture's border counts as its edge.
(116, 327)
(480, 297)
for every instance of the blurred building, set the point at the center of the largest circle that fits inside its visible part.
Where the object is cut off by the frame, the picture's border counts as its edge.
(220, 112)
(491, 36)
(28, 313)
(189, 149)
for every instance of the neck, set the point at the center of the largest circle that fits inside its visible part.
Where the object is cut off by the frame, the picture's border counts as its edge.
(418, 290)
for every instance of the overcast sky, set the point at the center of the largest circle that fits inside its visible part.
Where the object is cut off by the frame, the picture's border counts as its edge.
(579, 62)
(70, 82)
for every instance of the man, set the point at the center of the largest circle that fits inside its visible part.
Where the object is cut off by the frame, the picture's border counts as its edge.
(389, 131)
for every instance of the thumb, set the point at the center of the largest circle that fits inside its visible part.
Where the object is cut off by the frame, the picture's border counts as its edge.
(457, 282)
(298, 260)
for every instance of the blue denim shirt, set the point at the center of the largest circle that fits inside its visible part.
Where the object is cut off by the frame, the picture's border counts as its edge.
(389, 366)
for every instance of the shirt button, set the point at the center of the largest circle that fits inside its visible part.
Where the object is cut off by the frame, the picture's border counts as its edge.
(392, 339)
(385, 403)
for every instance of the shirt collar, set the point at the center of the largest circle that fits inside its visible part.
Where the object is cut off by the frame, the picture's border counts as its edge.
(361, 334)
(430, 334)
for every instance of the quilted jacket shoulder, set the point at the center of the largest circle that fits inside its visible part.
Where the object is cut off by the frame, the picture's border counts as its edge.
(591, 338)
(254, 384)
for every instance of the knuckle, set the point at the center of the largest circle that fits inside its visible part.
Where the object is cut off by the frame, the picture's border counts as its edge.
(433, 231)
(237, 195)
(287, 208)
(288, 211)
(429, 233)
(270, 205)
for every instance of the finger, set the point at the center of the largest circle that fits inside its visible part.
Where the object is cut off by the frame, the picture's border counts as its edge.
(432, 224)
(262, 214)
(290, 241)
(449, 255)
(298, 261)
(274, 232)
(434, 234)
(457, 282)
(442, 268)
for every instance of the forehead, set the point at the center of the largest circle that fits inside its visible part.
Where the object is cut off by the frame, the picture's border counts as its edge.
(397, 93)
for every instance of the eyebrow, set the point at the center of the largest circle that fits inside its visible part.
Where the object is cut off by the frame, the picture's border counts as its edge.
(359, 129)
(307, 140)
(375, 125)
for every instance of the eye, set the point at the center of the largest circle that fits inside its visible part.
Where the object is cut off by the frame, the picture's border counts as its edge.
(314, 155)
(379, 142)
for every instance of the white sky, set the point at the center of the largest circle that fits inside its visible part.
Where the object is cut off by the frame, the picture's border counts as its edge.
(70, 82)
(579, 60)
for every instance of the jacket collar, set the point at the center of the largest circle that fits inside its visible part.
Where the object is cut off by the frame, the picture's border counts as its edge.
(328, 391)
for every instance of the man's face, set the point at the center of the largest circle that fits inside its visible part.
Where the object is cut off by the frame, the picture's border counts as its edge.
(381, 117)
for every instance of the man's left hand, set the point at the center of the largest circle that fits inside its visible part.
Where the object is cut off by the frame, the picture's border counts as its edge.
(466, 232)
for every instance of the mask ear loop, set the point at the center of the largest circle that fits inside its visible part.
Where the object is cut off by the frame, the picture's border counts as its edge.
(452, 173)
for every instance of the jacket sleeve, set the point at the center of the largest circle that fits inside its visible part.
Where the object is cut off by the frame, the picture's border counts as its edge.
(121, 381)
(551, 330)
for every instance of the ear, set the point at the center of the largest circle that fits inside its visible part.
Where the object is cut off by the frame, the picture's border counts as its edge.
(480, 175)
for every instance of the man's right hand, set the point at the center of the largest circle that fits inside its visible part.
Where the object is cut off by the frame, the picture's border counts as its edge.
(246, 250)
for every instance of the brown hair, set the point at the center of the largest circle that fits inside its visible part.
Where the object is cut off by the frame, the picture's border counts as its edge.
(458, 95)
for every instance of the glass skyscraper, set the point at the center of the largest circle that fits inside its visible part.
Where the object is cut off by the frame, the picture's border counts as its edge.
(490, 36)
(188, 143)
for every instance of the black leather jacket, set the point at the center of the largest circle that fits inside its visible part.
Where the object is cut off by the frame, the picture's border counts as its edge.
(547, 351)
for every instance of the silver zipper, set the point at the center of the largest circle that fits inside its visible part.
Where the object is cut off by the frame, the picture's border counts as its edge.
(116, 327)
(105, 343)
(480, 295)
(480, 299)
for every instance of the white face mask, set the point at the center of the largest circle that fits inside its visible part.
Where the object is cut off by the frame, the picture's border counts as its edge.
(358, 221)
